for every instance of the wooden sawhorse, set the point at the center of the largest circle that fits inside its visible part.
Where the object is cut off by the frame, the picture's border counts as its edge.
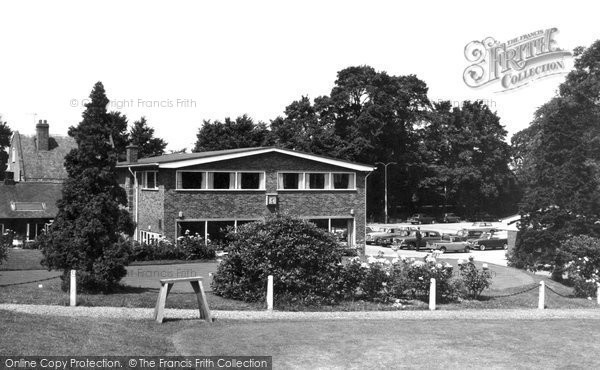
(165, 288)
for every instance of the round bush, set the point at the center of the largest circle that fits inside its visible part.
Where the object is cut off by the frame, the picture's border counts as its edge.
(305, 262)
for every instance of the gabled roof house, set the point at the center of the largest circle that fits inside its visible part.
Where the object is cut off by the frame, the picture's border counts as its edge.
(33, 181)
(206, 192)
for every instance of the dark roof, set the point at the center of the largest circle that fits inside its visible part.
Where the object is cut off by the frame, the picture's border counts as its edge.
(45, 165)
(29, 200)
(169, 158)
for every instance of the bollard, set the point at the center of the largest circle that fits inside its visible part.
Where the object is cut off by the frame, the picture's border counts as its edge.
(542, 296)
(432, 295)
(73, 288)
(270, 293)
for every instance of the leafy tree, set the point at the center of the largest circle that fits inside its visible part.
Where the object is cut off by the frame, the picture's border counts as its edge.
(231, 134)
(465, 156)
(87, 232)
(142, 135)
(367, 117)
(302, 130)
(560, 166)
(5, 135)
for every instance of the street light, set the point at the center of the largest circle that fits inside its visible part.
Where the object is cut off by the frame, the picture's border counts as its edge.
(385, 165)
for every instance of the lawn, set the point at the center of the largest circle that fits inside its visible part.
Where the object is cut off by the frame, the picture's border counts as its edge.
(323, 344)
(141, 289)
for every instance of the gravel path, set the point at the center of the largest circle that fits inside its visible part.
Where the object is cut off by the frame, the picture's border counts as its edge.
(147, 313)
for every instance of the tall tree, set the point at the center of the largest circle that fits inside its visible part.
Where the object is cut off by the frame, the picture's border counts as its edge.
(231, 134)
(465, 156)
(142, 135)
(560, 165)
(368, 117)
(5, 135)
(92, 216)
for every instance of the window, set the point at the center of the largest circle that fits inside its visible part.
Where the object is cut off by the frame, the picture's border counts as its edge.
(147, 179)
(14, 155)
(343, 181)
(316, 181)
(289, 180)
(249, 180)
(220, 180)
(190, 180)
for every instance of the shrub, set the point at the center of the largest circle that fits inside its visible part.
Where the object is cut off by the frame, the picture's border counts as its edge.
(473, 279)
(304, 260)
(583, 266)
(188, 247)
(382, 280)
(6, 239)
(3, 248)
(193, 247)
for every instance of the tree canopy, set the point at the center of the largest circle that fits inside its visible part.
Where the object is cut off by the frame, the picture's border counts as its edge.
(142, 135)
(5, 135)
(231, 134)
(557, 162)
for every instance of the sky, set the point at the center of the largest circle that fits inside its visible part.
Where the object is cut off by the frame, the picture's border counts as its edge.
(179, 63)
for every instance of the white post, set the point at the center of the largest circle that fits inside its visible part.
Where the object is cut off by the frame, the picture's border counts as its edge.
(73, 290)
(542, 296)
(598, 294)
(270, 293)
(432, 295)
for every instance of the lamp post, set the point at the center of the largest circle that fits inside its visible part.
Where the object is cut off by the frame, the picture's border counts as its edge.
(385, 165)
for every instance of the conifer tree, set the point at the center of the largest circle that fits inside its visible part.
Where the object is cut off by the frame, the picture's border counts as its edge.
(87, 234)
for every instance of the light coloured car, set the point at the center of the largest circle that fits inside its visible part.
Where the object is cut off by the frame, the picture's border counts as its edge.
(450, 244)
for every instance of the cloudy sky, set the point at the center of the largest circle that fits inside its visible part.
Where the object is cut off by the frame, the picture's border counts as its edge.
(181, 62)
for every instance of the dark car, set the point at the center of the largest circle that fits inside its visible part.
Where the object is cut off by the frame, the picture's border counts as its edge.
(409, 241)
(384, 237)
(450, 218)
(421, 218)
(490, 240)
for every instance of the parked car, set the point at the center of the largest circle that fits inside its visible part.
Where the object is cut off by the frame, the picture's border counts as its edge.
(409, 241)
(482, 225)
(450, 218)
(471, 234)
(421, 218)
(450, 244)
(384, 236)
(484, 217)
(490, 240)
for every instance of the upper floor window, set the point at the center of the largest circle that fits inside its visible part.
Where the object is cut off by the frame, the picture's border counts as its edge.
(147, 179)
(220, 180)
(316, 181)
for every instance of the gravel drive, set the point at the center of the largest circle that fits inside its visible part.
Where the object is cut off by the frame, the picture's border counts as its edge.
(147, 313)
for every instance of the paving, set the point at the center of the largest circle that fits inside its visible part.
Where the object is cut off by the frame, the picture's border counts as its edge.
(147, 314)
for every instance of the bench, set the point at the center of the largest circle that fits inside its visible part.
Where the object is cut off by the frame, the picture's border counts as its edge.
(165, 288)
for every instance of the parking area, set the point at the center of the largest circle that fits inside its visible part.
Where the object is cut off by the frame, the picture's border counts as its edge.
(497, 256)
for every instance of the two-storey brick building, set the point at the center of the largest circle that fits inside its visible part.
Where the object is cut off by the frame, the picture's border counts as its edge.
(206, 192)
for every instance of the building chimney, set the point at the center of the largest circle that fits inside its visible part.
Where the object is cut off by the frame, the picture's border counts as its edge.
(132, 153)
(42, 135)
